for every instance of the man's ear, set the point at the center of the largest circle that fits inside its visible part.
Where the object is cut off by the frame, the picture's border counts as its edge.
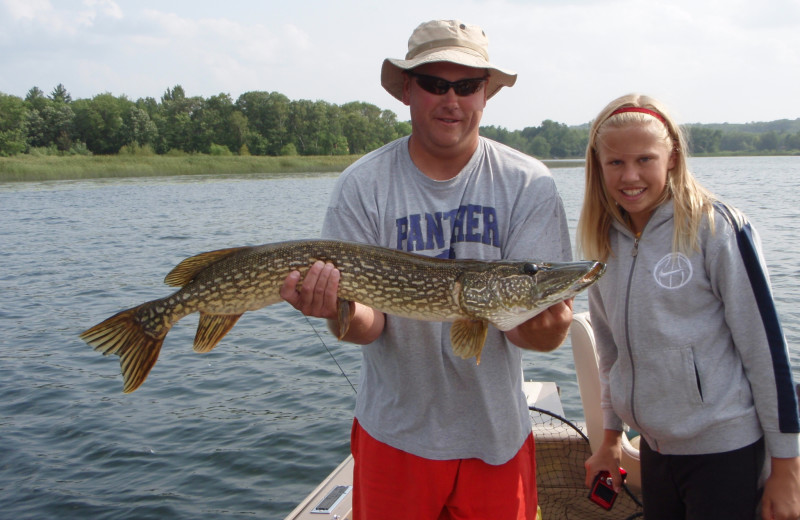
(406, 89)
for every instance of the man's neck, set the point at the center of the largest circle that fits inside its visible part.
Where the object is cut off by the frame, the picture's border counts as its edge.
(440, 166)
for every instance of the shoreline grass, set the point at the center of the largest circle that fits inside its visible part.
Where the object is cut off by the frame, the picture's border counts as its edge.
(31, 168)
(23, 168)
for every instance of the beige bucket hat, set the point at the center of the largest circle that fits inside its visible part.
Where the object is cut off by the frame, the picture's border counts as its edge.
(445, 40)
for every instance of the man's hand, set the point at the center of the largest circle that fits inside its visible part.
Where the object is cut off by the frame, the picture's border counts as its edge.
(318, 297)
(546, 331)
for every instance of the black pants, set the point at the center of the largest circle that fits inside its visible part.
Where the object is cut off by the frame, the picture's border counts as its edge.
(702, 487)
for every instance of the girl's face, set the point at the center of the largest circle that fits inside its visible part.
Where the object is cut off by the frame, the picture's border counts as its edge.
(635, 161)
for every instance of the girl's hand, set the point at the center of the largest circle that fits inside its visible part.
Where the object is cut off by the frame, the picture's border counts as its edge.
(607, 458)
(781, 499)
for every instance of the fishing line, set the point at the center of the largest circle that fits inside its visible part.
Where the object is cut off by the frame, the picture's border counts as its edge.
(330, 354)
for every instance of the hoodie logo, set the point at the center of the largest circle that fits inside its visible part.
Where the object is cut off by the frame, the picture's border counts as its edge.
(673, 271)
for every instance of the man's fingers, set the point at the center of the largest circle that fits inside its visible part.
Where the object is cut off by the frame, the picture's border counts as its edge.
(317, 294)
(317, 299)
(289, 288)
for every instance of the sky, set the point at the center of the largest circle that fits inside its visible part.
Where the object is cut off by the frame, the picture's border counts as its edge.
(709, 61)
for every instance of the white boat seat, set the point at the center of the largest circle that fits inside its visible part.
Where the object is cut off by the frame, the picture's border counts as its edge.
(585, 353)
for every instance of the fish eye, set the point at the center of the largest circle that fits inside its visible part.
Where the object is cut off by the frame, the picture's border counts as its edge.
(530, 269)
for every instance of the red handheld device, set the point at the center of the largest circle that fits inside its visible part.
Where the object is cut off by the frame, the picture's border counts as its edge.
(602, 492)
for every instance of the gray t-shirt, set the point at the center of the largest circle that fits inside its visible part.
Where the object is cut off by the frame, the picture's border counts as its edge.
(414, 393)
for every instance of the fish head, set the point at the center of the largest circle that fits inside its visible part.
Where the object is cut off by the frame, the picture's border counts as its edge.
(513, 292)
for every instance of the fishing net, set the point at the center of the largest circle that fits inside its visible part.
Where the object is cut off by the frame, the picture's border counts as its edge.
(561, 450)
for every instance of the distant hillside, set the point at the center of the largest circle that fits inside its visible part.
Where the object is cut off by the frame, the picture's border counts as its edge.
(787, 126)
(552, 140)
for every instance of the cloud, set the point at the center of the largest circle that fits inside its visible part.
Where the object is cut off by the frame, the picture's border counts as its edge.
(95, 9)
(20, 10)
(709, 60)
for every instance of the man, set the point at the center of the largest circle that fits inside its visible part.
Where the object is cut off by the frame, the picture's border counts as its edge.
(436, 436)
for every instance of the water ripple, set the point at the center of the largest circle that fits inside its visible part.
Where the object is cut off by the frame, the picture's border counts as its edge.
(250, 428)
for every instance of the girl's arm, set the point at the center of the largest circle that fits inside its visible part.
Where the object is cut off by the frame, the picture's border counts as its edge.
(607, 458)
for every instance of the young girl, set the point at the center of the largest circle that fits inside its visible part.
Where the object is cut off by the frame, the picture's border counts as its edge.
(690, 347)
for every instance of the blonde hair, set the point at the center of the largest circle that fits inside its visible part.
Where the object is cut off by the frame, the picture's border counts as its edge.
(691, 200)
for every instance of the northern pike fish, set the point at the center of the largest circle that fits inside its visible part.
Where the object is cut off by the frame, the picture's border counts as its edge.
(222, 285)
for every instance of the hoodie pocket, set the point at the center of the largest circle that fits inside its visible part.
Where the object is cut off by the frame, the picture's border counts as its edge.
(670, 374)
(667, 386)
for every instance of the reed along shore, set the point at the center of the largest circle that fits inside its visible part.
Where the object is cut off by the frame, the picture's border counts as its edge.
(77, 167)
(21, 168)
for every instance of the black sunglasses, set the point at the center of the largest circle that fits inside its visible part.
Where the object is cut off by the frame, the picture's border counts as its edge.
(439, 86)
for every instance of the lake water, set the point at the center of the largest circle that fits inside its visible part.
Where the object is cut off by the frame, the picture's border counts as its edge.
(250, 428)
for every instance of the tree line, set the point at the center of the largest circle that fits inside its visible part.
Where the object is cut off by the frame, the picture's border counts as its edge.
(775, 137)
(257, 123)
(554, 140)
(269, 123)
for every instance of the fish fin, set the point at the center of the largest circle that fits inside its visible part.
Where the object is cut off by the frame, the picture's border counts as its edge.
(211, 329)
(123, 335)
(185, 271)
(343, 317)
(506, 322)
(467, 337)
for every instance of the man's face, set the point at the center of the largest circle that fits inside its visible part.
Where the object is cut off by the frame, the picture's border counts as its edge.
(445, 125)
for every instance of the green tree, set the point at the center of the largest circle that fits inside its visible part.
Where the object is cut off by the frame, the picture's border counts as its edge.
(35, 99)
(99, 122)
(562, 142)
(13, 125)
(792, 142)
(208, 119)
(36, 128)
(138, 128)
(769, 141)
(59, 120)
(60, 94)
(539, 147)
(176, 129)
(288, 150)
(49, 123)
(735, 141)
(267, 115)
(332, 140)
(704, 140)
(309, 127)
(256, 143)
(402, 128)
(366, 127)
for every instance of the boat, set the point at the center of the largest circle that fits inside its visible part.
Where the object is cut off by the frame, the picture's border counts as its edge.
(562, 446)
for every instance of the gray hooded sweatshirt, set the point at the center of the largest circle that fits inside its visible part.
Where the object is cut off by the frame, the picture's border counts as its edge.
(691, 350)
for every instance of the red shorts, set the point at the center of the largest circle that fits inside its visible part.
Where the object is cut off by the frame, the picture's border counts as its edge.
(392, 484)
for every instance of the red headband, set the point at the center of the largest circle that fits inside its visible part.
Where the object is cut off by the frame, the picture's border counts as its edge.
(641, 110)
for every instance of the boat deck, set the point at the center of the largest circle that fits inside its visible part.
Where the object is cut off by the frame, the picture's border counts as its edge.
(333, 497)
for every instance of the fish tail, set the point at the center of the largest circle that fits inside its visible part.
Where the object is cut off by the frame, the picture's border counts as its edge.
(124, 335)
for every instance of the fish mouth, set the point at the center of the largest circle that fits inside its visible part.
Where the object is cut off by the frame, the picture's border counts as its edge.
(569, 278)
(594, 274)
